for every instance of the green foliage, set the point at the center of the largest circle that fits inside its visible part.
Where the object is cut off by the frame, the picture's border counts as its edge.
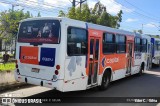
(97, 15)
(7, 66)
(72, 13)
(138, 31)
(39, 14)
(61, 14)
(10, 21)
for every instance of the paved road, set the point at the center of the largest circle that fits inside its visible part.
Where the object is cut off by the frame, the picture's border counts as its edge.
(147, 85)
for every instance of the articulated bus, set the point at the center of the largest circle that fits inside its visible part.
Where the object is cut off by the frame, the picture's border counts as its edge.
(70, 55)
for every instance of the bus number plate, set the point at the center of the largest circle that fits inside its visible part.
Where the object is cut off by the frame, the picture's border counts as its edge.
(36, 70)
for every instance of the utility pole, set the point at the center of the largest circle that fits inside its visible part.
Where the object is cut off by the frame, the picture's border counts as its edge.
(142, 28)
(15, 38)
(81, 2)
(74, 3)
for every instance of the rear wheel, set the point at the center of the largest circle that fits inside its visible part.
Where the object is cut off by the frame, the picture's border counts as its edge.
(105, 81)
(141, 70)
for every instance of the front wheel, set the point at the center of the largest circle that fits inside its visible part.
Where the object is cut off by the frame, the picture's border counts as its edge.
(105, 81)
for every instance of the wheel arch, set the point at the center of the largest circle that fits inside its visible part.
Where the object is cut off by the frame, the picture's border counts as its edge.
(108, 69)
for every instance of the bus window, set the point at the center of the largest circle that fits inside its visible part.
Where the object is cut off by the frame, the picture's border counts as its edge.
(108, 43)
(157, 46)
(97, 49)
(76, 41)
(91, 46)
(144, 45)
(137, 45)
(121, 43)
(39, 31)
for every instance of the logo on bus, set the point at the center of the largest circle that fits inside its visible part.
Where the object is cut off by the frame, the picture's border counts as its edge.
(47, 59)
(29, 57)
(109, 61)
(95, 33)
(112, 60)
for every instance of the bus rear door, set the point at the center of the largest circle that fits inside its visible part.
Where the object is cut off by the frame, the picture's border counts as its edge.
(94, 48)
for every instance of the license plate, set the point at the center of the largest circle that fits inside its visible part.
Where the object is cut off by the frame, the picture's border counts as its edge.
(36, 70)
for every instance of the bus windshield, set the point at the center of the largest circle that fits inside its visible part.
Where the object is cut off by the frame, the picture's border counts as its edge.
(39, 31)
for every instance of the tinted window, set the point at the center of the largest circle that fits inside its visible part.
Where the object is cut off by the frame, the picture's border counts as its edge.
(108, 43)
(39, 31)
(121, 43)
(157, 46)
(91, 46)
(137, 47)
(144, 45)
(97, 49)
(76, 41)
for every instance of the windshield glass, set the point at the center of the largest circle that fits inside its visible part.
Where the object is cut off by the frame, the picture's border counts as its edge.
(39, 31)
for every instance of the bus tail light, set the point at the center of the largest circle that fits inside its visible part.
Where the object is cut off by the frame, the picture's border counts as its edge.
(58, 67)
(16, 65)
(56, 72)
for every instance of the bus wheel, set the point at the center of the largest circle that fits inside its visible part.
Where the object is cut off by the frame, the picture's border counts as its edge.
(141, 70)
(105, 81)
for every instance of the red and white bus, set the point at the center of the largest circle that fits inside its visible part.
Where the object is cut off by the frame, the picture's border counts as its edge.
(70, 55)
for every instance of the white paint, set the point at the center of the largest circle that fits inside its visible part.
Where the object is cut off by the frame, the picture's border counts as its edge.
(112, 60)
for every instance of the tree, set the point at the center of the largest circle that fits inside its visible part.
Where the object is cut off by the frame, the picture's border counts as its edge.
(9, 22)
(39, 14)
(61, 14)
(97, 15)
(72, 13)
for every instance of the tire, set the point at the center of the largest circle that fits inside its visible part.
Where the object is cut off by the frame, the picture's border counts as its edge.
(105, 81)
(141, 71)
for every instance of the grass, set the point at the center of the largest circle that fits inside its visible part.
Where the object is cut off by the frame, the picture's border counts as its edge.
(7, 67)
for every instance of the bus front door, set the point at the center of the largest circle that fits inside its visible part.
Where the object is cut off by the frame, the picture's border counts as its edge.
(129, 58)
(94, 48)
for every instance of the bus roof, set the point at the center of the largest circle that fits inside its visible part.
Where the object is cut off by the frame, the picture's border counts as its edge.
(90, 25)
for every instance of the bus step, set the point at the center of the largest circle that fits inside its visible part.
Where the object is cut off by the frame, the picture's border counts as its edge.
(128, 74)
(91, 86)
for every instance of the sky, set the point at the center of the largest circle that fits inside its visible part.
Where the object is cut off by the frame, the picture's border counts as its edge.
(137, 14)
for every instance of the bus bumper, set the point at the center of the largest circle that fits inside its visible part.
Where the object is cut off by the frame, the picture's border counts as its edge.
(57, 85)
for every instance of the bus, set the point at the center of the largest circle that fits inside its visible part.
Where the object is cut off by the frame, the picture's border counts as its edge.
(155, 51)
(70, 55)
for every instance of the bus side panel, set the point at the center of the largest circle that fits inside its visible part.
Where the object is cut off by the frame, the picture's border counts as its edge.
(75, 77)
(75, 73)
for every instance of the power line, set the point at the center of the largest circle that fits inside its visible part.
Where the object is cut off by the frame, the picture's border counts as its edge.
(44, 4)
(139, 8)
(23, 5)
(37, 9)
(140, 14)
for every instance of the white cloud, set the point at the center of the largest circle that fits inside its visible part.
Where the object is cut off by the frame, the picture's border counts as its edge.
(46, 4)
(151, 25)
(112, 6)
(32, 3)
(4, 5)
(58, 2)
(131, 20)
